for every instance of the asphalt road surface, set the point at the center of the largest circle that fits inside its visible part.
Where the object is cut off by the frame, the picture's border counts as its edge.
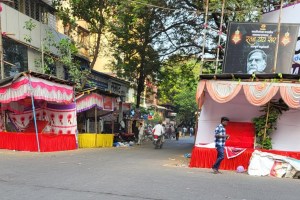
(139, 172)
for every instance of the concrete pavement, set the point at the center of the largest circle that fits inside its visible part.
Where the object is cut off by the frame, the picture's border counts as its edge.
(129, 173)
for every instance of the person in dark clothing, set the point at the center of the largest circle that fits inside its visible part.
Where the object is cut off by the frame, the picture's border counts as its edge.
(177, 133)
(220, 139)
(135, 130)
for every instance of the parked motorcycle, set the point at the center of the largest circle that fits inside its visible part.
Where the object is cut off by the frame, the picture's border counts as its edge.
(158, 141)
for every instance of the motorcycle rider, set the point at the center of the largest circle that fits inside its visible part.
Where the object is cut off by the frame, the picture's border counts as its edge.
(159, 130)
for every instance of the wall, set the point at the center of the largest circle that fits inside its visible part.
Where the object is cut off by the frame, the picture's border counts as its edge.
(290, 14)
(32, 56)
(286, 137)
(13, 22)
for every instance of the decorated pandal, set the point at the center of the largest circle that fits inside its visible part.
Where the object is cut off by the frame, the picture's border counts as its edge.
(100, 106)
(239, 99)
(32, 97)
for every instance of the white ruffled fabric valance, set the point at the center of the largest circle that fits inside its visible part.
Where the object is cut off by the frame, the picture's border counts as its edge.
(291, 95)
(260, 93)
(257, 93)
(222, 92)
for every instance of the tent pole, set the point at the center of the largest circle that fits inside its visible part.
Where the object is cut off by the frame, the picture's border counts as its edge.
(267, 118)
(112, 126)
(95, 125)
(76, 131)
(204, 37)
(96, 131)
(3, 113)
(34, 115)
(278, 37)
(219, 39)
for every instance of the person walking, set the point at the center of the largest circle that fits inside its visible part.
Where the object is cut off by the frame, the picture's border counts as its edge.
(184, 130)
(220, 139)
(141, 133)
(177, 133)
(191, 131)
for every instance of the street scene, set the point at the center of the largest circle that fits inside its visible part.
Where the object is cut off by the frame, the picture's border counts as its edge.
(139, 172)
(149, 99)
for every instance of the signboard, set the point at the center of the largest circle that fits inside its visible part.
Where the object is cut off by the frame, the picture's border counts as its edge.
(251, 48)
(296, 60)
(108, 103)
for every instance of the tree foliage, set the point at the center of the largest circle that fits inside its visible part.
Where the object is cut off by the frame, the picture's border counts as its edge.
(177, 86)
(94, 12)
(266, 124)
(146, 33)
(66, 50)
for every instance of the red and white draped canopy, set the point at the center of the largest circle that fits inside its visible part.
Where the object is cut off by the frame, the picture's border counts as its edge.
(257, 93)
(42, 89)
(91, 100)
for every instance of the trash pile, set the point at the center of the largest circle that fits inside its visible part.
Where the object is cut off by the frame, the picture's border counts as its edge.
(123, 144)
(187, 155)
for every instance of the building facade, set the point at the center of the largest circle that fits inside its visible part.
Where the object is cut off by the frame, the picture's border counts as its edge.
(22, 47)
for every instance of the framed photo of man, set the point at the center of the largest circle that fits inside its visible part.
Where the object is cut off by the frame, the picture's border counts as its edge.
(251, 48)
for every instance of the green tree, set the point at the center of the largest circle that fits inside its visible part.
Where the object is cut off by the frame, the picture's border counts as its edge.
(66, 50)
(177, 86)
(94, 12)
(144, 35)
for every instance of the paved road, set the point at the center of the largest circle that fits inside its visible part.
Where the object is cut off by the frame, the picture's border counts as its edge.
(129, 174)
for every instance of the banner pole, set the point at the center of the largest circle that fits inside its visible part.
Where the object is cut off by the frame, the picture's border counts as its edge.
(204, 37)
(219, 39)
(278, 37)
(34, 114)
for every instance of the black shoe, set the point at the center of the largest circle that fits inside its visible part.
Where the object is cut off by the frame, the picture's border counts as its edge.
(215, 171)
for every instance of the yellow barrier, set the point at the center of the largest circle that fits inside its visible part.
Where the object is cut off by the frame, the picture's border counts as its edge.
(104, 140)
(90, 140)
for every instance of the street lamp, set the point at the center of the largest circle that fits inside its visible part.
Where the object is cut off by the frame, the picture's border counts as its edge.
(1, 44)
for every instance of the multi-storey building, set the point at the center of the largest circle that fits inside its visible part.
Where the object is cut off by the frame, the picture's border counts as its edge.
(20, 54)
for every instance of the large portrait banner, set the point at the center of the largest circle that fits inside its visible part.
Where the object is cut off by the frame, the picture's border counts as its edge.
(251, 48)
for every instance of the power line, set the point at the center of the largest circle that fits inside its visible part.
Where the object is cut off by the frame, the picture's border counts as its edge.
(154, 6)
(174, 9)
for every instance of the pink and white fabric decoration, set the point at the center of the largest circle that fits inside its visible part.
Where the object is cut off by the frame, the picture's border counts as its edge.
(61, 118)
(89, 101)
(41, 89)
(257, 93)
(223, 91)
(291, 95)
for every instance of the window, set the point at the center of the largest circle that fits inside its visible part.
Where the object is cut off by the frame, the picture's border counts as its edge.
(37, 12)
(15, 57)
(32, 9)
(83, 37)
(16, 4)
(27, 7)
(35, 9)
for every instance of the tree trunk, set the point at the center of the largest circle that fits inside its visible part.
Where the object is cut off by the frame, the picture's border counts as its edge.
(97, 48)
(140, 88)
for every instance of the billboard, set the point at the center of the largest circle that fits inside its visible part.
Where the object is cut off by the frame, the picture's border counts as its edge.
(251, 48)
(296, 60)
